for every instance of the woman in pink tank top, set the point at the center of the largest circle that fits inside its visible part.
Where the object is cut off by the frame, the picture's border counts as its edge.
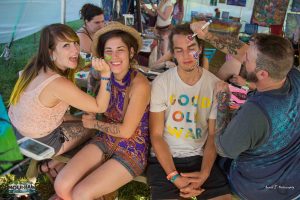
(46, 89)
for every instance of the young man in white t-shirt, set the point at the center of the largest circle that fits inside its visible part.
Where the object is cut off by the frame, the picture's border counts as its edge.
(182, 121)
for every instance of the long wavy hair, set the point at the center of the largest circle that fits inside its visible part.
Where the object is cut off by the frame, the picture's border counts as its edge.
(42, 60)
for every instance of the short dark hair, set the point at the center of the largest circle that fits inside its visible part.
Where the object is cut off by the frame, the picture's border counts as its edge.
(184, 29)
(89, 11)
(275, 54)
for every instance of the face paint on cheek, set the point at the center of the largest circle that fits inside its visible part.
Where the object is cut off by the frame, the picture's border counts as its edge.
(107, 58)
(196, 54)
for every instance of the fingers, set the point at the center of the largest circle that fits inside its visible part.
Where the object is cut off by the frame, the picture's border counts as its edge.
(197, 28)
(189, 191)
(100, 65)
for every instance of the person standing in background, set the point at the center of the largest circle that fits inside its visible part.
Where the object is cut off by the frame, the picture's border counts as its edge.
(178, 12)
(163, 25)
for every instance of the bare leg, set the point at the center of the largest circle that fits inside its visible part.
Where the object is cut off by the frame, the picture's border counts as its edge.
(107, 178)
(86, 160)
(76, 134)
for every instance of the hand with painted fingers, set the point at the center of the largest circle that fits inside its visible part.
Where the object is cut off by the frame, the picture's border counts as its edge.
(101, 66)
(89, 121)
(197, 29)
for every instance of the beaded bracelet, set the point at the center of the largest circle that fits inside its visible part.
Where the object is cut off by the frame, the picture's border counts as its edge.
(105, 78)
(174, 178)
(169, 176)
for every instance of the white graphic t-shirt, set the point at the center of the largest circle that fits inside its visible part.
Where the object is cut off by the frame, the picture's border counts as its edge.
(187, 110)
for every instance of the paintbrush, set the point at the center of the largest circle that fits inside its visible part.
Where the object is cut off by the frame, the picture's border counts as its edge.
(203, 27)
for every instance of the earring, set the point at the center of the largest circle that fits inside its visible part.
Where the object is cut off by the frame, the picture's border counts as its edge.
(52, 58)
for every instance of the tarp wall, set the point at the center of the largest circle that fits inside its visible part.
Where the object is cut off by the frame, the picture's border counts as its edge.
(20, 18)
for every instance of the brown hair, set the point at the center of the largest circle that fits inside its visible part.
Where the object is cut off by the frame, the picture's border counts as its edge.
(49, 36)
(275, 55)
(89, 11)
(184, 29)
(129, 40)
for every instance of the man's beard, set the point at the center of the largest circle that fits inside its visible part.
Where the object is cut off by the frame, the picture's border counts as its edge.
(251, 77)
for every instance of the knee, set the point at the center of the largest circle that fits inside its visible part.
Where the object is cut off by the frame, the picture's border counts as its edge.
(80, 193)
(61, 186)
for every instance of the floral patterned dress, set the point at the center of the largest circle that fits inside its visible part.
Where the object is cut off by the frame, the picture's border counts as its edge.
(132, 153)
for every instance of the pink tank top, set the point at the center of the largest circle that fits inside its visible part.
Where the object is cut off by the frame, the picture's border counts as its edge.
(33, 119)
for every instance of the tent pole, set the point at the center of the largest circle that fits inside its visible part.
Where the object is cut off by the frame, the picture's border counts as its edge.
(63, 12)
(138, 16)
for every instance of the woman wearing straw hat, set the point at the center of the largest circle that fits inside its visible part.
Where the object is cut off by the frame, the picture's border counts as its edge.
(119, 151)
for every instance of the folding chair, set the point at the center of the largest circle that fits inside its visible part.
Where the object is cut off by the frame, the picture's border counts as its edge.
(209, 53)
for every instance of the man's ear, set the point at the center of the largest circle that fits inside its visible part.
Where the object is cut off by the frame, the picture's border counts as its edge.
(262, 74)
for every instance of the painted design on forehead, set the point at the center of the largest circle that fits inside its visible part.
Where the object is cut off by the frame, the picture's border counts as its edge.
(190, 37)
(107, 58)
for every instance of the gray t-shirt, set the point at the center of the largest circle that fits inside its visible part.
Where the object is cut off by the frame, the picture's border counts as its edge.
(248, 129)
(187, 110)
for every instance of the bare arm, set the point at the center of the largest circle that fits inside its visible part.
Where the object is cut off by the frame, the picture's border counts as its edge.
(226, 44)
(85, 43)
(161, 147)
(66, 91)
(138, 101)
(166, 13)
(209, 154)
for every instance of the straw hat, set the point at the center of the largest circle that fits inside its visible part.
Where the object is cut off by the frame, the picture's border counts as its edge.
(112, 26)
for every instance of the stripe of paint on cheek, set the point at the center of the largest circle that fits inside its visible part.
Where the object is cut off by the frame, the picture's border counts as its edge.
(107, 58)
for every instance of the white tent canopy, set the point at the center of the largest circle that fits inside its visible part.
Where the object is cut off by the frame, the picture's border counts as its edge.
(20, 18)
